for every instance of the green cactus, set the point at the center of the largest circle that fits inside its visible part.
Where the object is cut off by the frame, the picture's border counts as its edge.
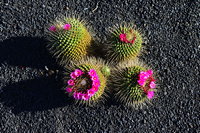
(125, 43)
(69, 40)
(80, 90)
(128, 86)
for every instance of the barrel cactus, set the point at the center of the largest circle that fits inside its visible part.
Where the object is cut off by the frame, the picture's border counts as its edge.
(125, 43)
(85, 80)
(69, 39)
(134, 84)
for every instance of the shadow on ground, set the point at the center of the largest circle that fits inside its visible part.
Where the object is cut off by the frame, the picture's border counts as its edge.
(26, 52)
(34, 95)
(37, 94)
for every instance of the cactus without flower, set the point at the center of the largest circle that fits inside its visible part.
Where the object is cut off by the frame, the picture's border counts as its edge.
(125, 43)
(133, 84)
(69, 39)
(85, 80)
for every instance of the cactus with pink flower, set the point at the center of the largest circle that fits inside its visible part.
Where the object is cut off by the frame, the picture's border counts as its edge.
(125, 43)
(85, 82)
(133, 83)
(69, 40)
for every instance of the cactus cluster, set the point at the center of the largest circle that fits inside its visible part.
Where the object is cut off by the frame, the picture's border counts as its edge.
(125, 43)
(86, 78)
(69, 40)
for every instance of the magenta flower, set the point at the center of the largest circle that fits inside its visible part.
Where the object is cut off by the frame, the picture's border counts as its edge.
(67, 27)
(52, 28)
(94, 88)
(152, 85)
(150, 94)
(92, 72)
(71, 82)
(77, 95)
(85, 97)
(94, 78)
(150, 72)
(72, 75)
(69, 90)
(90, 92)
(122, 37)
(143, 75)
(141, 82)
(96, 83)
(78, 72)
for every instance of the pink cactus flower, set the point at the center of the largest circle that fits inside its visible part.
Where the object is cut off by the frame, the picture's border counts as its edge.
(92, 72)
(69, 90)
(85, 97)
(52, 28)
(94, 88)
(73, 76)
(90, 92)
(122, 37)
(94, 78)
(150, 94)
(141, 82)
(152, 85)
(96, 83)
(71, 82)
(66, 27)
(150, 72)
(77, 95)
(143, 75)
(78, 72)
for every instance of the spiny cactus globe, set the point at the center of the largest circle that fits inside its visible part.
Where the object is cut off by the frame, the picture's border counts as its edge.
(69, 39)
(85, 80)
(125, 43)
(134, 84)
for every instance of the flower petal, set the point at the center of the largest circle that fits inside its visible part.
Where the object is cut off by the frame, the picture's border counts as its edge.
(71, 82)
(85, 97)
(78, 72)
(73, 76)
(67, 27)
(152, 85)
(69, 90)
(150, 94)
(52, 28)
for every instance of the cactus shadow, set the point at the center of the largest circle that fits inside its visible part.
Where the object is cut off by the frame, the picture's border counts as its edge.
(97, 49)
(34, 95)
(26, 52)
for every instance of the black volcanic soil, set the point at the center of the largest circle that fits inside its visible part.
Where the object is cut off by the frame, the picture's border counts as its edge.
(35, 104)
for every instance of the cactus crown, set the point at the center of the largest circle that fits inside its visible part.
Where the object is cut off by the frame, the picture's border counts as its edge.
(87, 82)
(134, 85)
(125, 43)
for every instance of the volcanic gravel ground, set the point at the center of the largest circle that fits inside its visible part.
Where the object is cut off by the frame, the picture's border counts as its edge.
(33, 103)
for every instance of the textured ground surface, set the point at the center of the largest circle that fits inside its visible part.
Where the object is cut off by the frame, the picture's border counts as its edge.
(30, 103)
